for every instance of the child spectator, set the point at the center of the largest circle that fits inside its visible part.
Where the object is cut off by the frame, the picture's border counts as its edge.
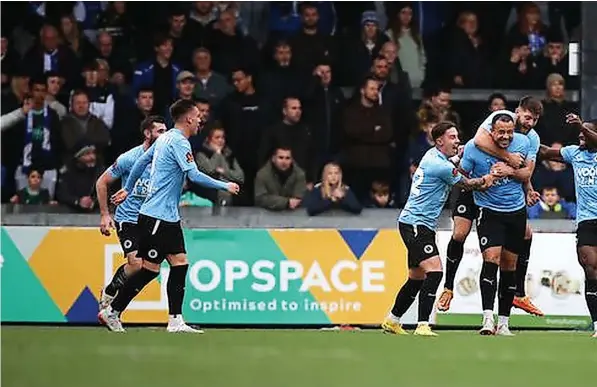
(551, 206)
(33, 193)
(330, 193)
(379, 196)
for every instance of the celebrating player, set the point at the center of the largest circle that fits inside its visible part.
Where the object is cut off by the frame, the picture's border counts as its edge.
(502, 219)
(128, 212)
(430, 187)
(583, 159)
(160, 231)
(465, 210)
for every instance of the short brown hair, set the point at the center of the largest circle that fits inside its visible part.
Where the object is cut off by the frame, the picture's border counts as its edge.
(147, 123)
(531, 104)
(380, 187)
(180, 108)
(441, 129)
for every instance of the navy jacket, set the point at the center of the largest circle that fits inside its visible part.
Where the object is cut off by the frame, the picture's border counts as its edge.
(316, 204)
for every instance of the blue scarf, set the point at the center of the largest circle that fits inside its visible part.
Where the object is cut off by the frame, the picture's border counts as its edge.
(46, 145)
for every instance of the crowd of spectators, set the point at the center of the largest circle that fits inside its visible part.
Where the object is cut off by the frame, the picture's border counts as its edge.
(310, 104)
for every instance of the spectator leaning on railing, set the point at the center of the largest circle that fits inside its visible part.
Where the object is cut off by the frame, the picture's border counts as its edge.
(331, 193)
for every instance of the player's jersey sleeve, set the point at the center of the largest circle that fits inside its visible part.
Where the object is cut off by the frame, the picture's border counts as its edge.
(448, 172)
(183, 154)
(521, 144)
(467, 162)
(568, 153)
(487, 123)
(121, 166)
(534, 143)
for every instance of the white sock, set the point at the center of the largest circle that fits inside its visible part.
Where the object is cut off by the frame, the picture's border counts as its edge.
(595, 325)
(393, 318)
(503, 320)
(175, 319)
(488, 314)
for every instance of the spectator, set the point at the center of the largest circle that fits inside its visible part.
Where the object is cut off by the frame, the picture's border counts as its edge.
(323, 113)
(76, 188)
(295, 133)
(551, 206)
(216, 160)
(552, 126)
(76, 40)
(210, 85)
(520, 71)
(379, 196)
(101, 97)
(10, 60)
(158, 74)
(404, 31)
(205, 110)
(310, 46)
(183, 46)
(331, 193)
(440, 100)
(282, 80)
(245, 115)
(126, 134)
(280, 184)
(230, 48)
(13, 100)
(530, 27)
(200, 22)
(117, 59)
(55, 98)
(117, 22)
(555, 174)
(397, 75)
(470, 55)
(35, 140)
(555, 58)
(359, 54)
(367, 140)
(82, 125)
(51, 56)
(497, 101)
(34, 193)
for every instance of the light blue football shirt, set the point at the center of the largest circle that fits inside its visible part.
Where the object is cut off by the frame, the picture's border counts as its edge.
(431, 185)
(171, 161)
(128, 211)
(506, 194)
(584, 164)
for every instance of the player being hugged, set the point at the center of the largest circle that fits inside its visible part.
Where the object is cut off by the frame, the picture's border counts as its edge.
(431, 185)
(583, 158)
(502, 219)
(160, 231)
(127, 213)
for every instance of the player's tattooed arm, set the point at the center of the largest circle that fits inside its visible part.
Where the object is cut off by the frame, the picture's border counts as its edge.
(475, 184)
(547, 153)
(484, 142)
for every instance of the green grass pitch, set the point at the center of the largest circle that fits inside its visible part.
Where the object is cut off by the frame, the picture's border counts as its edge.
(149, 357)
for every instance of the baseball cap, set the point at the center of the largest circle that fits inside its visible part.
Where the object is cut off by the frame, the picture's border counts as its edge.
(369, 17)
(184, 75)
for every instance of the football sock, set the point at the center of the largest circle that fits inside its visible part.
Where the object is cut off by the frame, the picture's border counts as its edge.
(591, 297)
(427, 294)
(406, 296)
(131, 288)
(175, 287)
(455, 253)
(488, 284)
(117, 282)
(506, 293)
(522, 266)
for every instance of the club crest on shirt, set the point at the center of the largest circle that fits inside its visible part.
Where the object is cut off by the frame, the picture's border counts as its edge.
(190, 157)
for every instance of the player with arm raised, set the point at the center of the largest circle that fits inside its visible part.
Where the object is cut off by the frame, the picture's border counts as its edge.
(431, 185)
(501, 222)
(583, 159)
(465, 211)
(160, 231)
(127, 213)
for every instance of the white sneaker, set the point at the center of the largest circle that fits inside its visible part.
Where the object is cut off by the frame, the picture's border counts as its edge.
(488, 328)
(177, 325)
(503, 330)
(105, 299)
(110, 319)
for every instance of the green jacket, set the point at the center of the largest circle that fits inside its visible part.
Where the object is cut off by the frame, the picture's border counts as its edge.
(271, 194)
